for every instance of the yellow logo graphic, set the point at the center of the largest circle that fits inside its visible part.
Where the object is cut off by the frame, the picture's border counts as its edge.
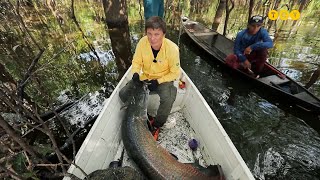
(295, 15)
(273, 14)
(284, 14)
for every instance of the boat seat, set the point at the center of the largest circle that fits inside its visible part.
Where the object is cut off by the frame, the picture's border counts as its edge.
(273, 79)
(306, 97)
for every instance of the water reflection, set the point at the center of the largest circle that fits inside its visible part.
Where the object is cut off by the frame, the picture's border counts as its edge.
(272, 142)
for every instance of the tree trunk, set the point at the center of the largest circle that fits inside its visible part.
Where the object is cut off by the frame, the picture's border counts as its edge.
(314, 77)
(251, 4)
(117, 22)
(275, 7)
(218, 16)
(301, 7)
(228, 11)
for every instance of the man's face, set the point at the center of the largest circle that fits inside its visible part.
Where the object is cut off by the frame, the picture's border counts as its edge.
(254, 28)
(155, 37)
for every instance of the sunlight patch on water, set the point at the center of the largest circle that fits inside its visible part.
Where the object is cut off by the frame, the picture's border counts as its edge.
(105, 56)
(85, 109)
(269, 164)
(292, 73)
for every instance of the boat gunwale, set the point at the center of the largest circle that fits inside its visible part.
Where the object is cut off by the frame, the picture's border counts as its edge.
(94, 126)
(221, 129)
(241, 166)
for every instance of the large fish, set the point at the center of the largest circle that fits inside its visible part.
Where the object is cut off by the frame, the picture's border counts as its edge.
(154, 161)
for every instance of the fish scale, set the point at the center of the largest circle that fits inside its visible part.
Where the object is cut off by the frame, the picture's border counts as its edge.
(154, 161)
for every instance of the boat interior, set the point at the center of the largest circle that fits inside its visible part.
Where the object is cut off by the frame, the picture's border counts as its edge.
(103, 143)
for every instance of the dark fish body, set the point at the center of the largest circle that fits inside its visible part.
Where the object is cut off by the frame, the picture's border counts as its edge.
(153, 160)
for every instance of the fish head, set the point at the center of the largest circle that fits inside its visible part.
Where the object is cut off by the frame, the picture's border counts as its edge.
(139, 100)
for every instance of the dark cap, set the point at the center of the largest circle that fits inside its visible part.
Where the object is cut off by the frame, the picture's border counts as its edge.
(257, 19)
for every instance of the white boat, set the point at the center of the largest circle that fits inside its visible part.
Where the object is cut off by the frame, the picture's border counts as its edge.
(102, 143)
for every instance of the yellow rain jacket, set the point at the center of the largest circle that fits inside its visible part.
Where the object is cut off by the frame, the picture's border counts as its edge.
(167, 67)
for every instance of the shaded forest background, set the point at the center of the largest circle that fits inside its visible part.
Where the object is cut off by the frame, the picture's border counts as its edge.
(76, 47)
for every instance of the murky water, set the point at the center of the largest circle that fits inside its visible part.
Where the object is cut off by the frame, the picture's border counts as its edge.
(274, 144)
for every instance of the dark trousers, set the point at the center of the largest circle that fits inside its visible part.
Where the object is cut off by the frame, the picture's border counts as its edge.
(153, 8)
(257, 59)
(167, 92)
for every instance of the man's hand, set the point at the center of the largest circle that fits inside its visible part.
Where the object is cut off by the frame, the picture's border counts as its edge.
(153, 85)
(246, 64)
(247, 50)
(136, 78)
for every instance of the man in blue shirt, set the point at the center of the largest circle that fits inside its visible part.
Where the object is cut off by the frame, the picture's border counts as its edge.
(250, 47)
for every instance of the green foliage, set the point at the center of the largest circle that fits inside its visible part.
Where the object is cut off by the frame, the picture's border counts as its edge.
(43, 149)
(19, 162)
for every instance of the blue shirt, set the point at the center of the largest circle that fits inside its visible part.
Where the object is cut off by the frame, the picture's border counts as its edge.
(257, 41)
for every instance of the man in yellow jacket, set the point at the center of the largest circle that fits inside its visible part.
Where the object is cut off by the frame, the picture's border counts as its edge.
(156, 60)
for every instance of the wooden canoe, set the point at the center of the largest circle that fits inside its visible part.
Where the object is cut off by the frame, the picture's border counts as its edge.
(272, 80)
(104, 139)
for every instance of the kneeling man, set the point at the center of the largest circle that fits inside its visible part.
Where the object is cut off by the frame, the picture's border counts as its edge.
(157, 61)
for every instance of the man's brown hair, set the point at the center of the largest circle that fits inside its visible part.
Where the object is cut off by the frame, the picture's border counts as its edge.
(156, 22)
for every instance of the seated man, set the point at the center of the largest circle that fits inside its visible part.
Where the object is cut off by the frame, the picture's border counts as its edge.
(158, 58)
(250, 47)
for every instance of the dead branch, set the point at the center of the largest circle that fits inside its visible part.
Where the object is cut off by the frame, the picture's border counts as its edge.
(5, 146)
(53, 141)
(4, 175)
(28, 159)
(58, 176)
(48, 115)
(45, 129)
(10, 131)
(11, 173)
(23, 82)
(31, 67)
(68, 134)
(51, 165)
(8, 157)
(70, 138)
(16, 108)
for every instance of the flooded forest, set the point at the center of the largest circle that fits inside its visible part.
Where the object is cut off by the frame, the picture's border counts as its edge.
(60, 60)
